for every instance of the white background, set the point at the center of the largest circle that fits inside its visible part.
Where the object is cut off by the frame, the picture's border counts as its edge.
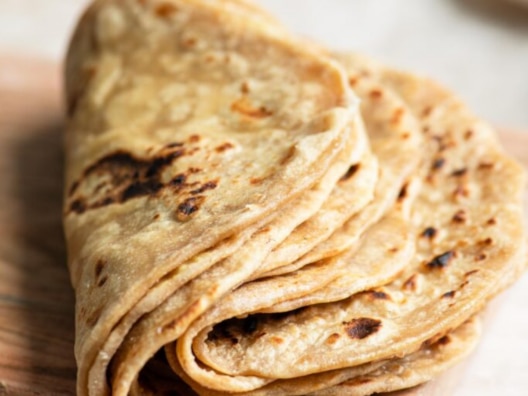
(477, 47)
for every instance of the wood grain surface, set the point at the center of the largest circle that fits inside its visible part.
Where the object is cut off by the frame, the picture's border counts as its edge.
(36, 300)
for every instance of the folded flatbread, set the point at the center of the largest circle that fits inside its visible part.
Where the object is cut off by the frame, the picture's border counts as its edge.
(470, 245)
(183, 141)
(227, 217)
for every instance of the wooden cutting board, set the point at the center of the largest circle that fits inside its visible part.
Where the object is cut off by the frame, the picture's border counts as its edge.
(36, 300)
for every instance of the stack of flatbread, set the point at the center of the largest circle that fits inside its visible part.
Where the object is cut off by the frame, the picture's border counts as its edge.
(249, 213)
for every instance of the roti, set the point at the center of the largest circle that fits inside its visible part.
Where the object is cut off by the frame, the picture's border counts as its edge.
(154, 180)
(470, 245)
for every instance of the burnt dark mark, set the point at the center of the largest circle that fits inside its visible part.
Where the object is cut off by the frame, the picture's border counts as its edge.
(459, 172)
(99, 267)
(130, 177)
(459, 217)
(174, 144)
(378, 295)
(159, 163)
(350, 172)
(210, 185)
(429, 232)
(469, 134)
(449, 294)
(179, 180)
(403, 192)
(438, 164)
(361, 328)
(442, 260)
(102, 281)
(77, 206)
(481, 257)
(139, 189)
(156, 216)
(189, 206)
(248, 326)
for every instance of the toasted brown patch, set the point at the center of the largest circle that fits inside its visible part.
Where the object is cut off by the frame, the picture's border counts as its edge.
(289, 155)
(486, 242)
(224, 147)
(427, 111)
(195, 138)
(403, 192)
(449, 294)
(411, 283)
(460, 191)
(491, 221)
(469, 273)
(397, 115)
(332, 338)
(244, 87)
(460, 216)
(353, 80)
(350, 172)
(376, 94)
(486, 166)
(244, 107)
(459, 172)
(361, 328)
(165, 10)
(357, 381)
